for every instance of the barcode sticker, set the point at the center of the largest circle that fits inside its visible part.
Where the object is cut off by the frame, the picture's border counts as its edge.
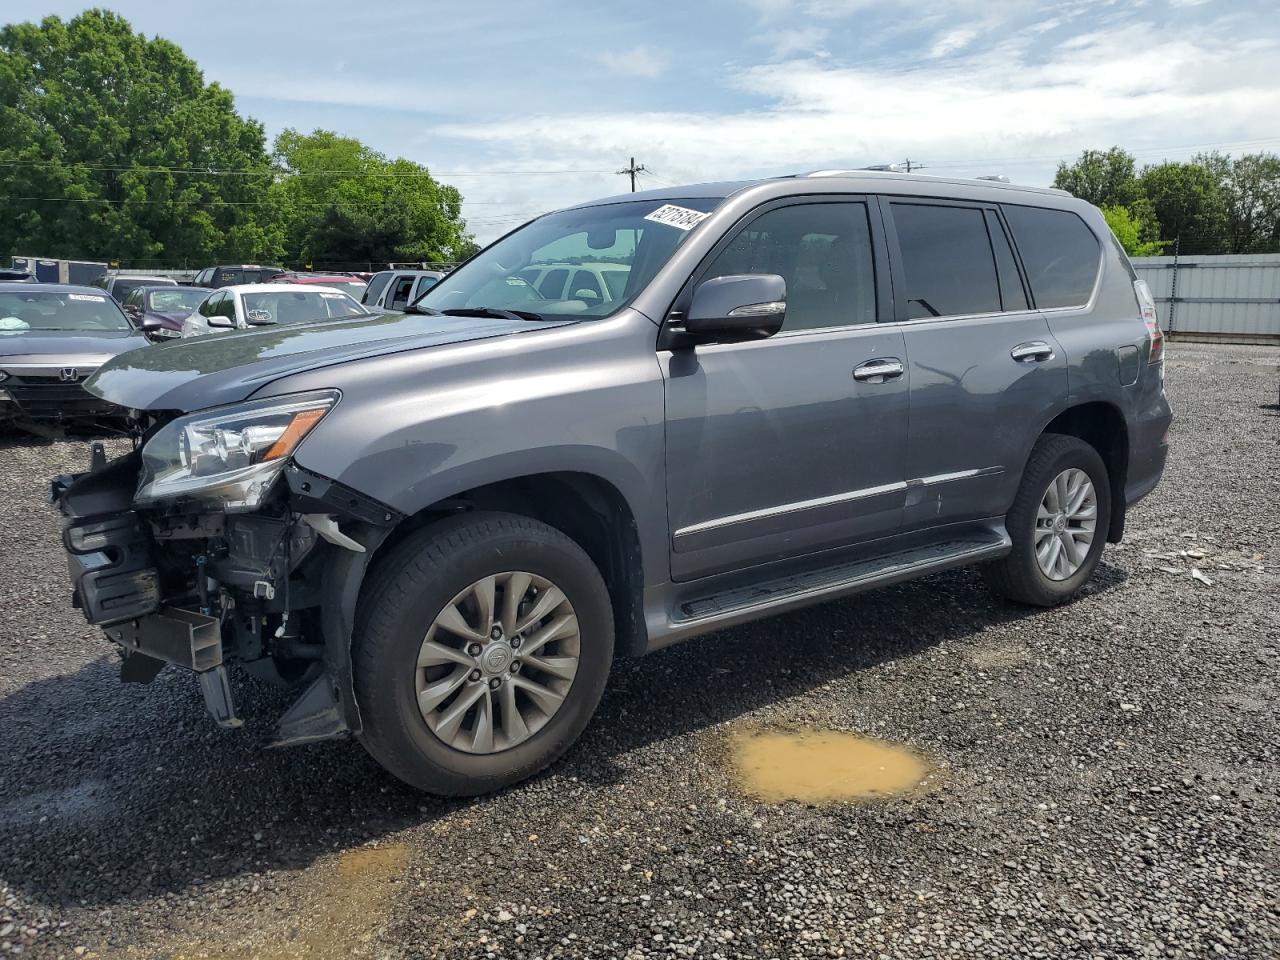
(682, 218)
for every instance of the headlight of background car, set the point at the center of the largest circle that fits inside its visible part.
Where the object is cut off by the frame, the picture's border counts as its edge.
(229, 456)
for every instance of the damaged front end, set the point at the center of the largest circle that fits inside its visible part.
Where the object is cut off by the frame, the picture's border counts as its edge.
(207, 546)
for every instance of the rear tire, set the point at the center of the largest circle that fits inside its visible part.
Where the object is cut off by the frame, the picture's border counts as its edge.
(1050, 561)
(423, 610)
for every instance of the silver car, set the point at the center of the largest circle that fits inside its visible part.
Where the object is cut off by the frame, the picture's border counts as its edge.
(262, 304)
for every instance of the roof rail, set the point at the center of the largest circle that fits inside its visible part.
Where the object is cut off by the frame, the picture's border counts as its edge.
(997, 177)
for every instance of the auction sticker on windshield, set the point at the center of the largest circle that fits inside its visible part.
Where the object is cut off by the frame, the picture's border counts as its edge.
(682, 218)
(89, 297)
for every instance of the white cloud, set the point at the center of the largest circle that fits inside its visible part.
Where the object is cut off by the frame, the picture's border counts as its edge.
(951, 41)
(638, 61)
(1018, 104)
(800, 40)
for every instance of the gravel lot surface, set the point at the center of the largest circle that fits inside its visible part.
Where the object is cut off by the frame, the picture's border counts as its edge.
(1106, 776)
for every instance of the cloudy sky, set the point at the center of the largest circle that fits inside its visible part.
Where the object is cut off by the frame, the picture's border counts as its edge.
(530, 105)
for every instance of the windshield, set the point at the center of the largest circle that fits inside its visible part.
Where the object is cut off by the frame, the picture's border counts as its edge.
(177, 300)
(58, 310)
(298, 306)
(585, 263)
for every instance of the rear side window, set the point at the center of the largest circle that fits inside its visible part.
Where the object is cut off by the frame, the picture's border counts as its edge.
(1012, 296)
(375, 287)
(398, 298)
(1059, 252)
(822, 251)
(552, 285)
(947, 258)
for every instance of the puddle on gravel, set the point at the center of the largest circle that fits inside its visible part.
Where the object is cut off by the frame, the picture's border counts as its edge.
(824, 767)
(332, 913)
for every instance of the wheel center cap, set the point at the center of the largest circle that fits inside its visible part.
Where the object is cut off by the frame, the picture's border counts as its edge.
(496, 658)
(1060, 523)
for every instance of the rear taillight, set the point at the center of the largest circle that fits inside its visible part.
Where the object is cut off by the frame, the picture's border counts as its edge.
(1147, 304)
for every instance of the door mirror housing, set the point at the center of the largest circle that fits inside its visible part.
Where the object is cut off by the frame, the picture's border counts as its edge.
(220, 322)
(749, 306)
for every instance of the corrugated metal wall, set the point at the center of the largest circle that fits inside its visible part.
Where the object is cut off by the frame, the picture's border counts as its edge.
(1227, 297)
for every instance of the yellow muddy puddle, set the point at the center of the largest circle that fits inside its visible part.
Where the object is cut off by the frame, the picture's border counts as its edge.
(336, 911)
(824, 767)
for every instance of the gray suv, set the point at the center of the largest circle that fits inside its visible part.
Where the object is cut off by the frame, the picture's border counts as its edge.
(442, 526)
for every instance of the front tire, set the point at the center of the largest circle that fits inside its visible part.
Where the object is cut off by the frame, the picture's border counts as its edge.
(1058, 524)
(483, 643)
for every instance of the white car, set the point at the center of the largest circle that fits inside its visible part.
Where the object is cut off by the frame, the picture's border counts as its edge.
(261, 304)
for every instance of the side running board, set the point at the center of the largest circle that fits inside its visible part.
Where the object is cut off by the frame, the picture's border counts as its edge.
(786, 593)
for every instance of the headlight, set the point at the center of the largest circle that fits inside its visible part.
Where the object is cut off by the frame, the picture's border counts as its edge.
(229, 456)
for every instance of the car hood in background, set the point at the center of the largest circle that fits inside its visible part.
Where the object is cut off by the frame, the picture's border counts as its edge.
(212, 370)
(52, 344)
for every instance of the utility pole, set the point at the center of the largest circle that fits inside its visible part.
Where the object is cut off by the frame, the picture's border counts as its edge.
(633, 170)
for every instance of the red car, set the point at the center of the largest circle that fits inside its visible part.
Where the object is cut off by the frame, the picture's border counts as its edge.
(346, 282)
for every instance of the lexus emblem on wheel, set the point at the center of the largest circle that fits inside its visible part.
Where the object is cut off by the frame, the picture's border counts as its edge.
(69, 374)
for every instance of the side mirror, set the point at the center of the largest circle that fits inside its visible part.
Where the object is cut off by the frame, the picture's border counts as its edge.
(221, 322)
(749, 306)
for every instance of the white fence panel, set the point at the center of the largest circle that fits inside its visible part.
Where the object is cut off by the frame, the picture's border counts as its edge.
(1227, 297)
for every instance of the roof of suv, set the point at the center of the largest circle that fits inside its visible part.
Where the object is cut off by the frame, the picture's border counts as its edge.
(868, 179)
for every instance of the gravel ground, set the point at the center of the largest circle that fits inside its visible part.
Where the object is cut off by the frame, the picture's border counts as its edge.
(1106, 775)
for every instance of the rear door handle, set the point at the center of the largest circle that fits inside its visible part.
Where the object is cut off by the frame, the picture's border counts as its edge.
(879, 370)
(1033, 351)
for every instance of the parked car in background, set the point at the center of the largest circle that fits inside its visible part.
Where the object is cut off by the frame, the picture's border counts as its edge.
(52, 338)
(264, 304)
(118, 285)
(159, 311)
(346, 282)
(226, 276)
(396, 289)
(458, 516)
(594, 283)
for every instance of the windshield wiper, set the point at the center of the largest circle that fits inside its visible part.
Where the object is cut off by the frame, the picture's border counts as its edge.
(491, 312)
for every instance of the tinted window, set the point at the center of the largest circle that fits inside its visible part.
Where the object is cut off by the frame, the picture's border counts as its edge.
(822, 251)
(585, 287)
(226, 308)
(1059, 252)
(375, 287)
(122, 288)
(1012, 296)
(398, 298)
(946, 255)
(425, 284)
(552, 285)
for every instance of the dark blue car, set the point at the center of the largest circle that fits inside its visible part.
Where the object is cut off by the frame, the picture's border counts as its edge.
(52, 338)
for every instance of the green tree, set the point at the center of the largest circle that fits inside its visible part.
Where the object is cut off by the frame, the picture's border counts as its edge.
(1129, 232)
(344, 204)
(1105, 178)
(100, 132)
(1189, 204)
(1251, 199)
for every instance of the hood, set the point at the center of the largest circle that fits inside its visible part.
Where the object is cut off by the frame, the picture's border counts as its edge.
(53, 344)
(224, 368)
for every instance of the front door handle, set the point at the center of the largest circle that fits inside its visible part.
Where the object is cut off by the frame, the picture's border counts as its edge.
(1033, 351)
(879, 370)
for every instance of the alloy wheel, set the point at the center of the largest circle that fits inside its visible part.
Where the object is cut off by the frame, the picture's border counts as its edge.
(497, 662)
(1065, 524)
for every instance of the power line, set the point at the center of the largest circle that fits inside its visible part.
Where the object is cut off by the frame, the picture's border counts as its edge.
(263, 172)
(632, 169)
